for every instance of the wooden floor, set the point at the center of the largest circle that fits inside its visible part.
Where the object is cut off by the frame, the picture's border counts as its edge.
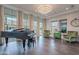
(43, 46)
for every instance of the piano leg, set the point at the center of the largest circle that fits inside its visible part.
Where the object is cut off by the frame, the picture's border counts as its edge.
(24, 41)
(29, 43)
(6, 39)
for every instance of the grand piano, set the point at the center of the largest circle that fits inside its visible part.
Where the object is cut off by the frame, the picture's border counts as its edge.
(22, 34)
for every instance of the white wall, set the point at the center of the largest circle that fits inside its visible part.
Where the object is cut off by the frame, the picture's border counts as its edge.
(69, 17)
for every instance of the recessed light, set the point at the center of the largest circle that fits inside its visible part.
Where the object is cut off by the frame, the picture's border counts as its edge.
(66, 8)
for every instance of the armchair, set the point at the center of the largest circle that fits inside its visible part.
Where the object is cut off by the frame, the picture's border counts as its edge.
(71, 36)
(46, 33)
(57, 35)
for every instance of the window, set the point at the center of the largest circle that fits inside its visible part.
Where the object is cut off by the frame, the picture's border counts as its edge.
(41, 26)
(10, 19)
(63, 26)
(35, 24)
(25, 21)
(55, 26)
(35, 27)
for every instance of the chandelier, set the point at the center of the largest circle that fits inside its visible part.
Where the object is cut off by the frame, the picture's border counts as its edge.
(43, 8)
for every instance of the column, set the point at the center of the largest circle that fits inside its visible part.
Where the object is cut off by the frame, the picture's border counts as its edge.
(1, 22)
(38, 26)
(20, 20)
(44, 24)
(31, 22)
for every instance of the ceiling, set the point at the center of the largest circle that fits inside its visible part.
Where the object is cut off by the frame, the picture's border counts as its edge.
(57, 9)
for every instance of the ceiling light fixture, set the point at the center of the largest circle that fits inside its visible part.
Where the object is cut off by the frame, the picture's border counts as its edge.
(43, 8)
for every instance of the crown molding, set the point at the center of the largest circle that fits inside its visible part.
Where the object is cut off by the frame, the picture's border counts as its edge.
(65, 12)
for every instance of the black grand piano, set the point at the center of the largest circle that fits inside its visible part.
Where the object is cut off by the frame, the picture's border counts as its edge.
(22, 34)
